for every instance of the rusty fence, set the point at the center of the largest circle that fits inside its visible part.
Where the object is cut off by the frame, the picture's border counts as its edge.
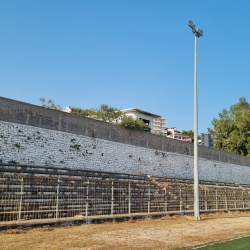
(33, 198)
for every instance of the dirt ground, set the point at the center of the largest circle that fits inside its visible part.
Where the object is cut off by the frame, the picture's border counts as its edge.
(150, 234)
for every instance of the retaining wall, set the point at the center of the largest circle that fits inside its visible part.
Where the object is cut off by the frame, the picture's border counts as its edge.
(31, 134)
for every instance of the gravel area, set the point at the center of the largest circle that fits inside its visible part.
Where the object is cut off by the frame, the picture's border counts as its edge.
(150, 234)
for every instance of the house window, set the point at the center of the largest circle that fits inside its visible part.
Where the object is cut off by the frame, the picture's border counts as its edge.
(145, 121)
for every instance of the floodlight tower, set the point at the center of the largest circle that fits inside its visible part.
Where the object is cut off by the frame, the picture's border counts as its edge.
(197, 32)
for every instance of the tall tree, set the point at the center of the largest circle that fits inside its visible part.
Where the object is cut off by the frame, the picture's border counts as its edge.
(189, 133)
(231, 132)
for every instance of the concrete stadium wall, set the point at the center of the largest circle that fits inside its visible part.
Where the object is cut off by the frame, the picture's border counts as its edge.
(31, 134)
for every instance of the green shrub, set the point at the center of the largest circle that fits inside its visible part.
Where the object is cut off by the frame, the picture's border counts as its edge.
(131, 123)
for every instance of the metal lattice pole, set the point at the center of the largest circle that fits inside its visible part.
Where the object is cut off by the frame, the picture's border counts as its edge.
(166, 200)
(205, 198)
(20, 204)
(180, 201)
(57, 198)
(243, 201)
(112, 199)
(129, 200)
(148, 198)
(226, 198)
(216, 197)
(87, 201)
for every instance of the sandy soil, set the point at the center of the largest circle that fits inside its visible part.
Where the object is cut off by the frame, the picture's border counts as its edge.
(165, 233)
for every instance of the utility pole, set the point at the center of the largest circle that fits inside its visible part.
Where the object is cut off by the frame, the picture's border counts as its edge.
(197, 32)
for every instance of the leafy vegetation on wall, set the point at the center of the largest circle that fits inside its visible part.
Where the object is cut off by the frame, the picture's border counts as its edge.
(131, 123)
(107, 113)
(49, 104)
(104, 113)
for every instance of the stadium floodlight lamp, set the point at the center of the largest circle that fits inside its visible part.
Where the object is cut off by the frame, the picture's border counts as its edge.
(190, 24)
(198, 32)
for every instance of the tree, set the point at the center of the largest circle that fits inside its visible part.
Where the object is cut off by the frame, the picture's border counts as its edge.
(49, 104)
(231, 132)
(107, 113)
(138, 124)
(189, 133)
(104, 113)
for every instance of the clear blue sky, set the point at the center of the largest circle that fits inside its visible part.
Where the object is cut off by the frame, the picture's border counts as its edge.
(128, 54)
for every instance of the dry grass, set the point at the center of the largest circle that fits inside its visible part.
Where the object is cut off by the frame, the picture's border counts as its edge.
(164, 233)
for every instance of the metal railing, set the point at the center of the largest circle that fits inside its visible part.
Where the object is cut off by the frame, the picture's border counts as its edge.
(35, 198)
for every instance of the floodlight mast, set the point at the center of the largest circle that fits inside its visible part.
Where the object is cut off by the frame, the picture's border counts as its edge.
(197, 32)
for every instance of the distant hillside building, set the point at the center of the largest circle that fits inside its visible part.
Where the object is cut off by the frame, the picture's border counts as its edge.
(206, 140)
(68, 109)
(155, 122)
(173, 133)
(160, 125)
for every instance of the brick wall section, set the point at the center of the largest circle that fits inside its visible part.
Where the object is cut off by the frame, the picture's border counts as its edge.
(27, 114)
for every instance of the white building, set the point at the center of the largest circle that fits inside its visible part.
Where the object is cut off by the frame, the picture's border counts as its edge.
(173, 133)
(68, 109)
(156, 123)
(160, 125)
(206, 140)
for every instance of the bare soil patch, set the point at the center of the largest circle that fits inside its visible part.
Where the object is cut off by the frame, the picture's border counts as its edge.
(165, 233)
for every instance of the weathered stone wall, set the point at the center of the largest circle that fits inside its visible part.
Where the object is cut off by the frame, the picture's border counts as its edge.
(37, 116)
(32, 134)
(37, 146)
